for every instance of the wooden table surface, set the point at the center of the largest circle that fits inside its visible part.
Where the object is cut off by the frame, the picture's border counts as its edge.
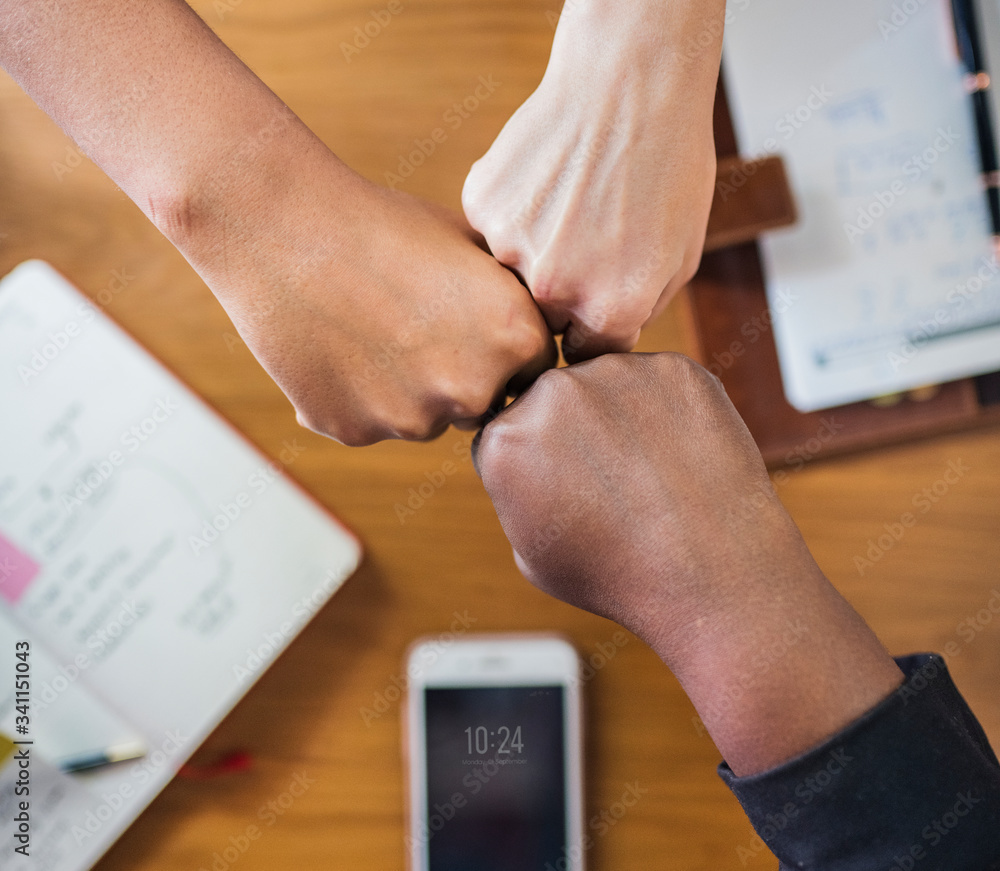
(304, 719)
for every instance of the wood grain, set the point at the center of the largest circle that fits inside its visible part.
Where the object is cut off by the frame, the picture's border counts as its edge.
(305, 716)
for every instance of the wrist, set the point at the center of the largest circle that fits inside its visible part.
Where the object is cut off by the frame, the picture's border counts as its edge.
(652, 67)
(775, 661)
(675, 37)
(238, 209)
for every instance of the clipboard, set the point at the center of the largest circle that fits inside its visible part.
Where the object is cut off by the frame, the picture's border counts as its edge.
(732, 331)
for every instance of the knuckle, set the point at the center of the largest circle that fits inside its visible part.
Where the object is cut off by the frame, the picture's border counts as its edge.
(690, 266)
(346, 433)
(499, 236)
(554, 387)
(306, 420)
(529, 341)
(489, 448)
(352, 438)
(682, 368)
(504, 247)
(413, 426)
(473, 403)
(472, 200)
(497, 447)
(461, 397)
(547, 283)
(506, 243)
(475, 179)
(352, 434)
(603, 321)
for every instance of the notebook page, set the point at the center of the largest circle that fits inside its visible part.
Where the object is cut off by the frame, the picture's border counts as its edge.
(888, 281)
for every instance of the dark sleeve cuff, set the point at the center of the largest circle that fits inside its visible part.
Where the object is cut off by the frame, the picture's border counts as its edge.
(912, 785)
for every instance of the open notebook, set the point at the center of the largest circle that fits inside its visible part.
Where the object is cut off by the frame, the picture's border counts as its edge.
(888, 282)
(154, 560)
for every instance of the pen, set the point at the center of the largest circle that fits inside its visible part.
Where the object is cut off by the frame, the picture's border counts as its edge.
(977, 82)
(108, 756)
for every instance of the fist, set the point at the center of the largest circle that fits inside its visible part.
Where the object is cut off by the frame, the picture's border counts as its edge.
(629, 486)
(597, 191)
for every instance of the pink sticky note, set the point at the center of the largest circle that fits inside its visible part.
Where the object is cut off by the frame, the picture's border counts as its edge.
(17, 570)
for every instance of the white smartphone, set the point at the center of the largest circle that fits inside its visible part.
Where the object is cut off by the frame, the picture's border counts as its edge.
(494, 746)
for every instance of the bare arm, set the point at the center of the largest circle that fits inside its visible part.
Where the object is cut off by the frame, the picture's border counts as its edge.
(159, 102)
(669, 526)
(295, 244)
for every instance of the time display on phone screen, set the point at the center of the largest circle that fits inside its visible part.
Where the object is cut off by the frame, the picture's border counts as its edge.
(495, 778)
(504, 741)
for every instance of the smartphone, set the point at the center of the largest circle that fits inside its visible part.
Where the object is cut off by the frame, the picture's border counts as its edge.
(494, 746)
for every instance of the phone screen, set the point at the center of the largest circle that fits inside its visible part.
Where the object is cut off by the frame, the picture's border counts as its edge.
(496, 784)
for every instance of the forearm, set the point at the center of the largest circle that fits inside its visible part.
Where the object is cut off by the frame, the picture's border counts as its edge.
(784, 665)
(156, 100)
